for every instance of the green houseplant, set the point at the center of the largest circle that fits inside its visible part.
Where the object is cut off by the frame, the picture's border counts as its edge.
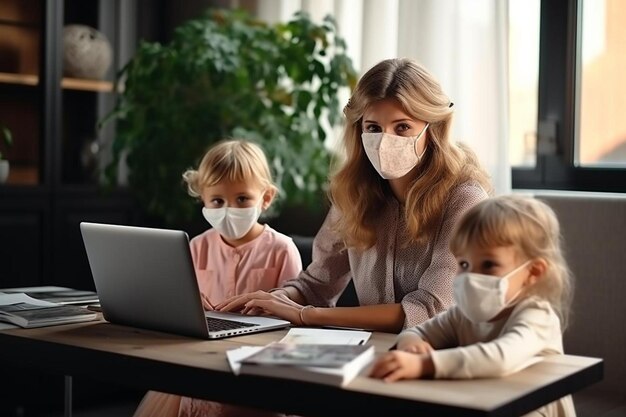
(222, 75)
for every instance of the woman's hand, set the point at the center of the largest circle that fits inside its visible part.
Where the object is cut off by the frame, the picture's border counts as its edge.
(276, 303)
(238, 302)
(396, 365)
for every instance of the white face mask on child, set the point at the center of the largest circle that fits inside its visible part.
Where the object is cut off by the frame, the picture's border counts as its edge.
(232, 222)
(392, 156)
(482, 297)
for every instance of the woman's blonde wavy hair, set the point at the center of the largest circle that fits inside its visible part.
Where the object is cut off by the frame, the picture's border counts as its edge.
(234, 160)
(530, 226)
(359, 192)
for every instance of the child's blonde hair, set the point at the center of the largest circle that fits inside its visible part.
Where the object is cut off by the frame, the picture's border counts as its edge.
(532, 227)
(232, 160)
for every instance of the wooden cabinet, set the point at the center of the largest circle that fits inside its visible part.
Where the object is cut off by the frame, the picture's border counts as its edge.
(21, 42)
(55, 165)
(58, 154)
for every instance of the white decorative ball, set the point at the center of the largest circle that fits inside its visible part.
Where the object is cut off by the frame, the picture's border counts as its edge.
(86, 52)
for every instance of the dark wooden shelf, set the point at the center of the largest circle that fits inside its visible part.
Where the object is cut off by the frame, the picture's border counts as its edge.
(27, 176)
(100, 86)
(8, 22)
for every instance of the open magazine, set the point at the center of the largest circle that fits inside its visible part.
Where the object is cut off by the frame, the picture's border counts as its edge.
(355, 356)
(288, 354)
(325, 364)
(22, 310)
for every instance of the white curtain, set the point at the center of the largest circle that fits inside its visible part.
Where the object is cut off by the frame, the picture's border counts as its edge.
(462, 42)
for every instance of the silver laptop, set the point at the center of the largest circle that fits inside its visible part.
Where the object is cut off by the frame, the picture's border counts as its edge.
(145, 278)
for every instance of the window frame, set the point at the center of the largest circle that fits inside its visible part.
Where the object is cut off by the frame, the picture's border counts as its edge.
(559, 107)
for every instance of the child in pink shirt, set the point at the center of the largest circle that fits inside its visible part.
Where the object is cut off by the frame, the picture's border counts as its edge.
(237, 255)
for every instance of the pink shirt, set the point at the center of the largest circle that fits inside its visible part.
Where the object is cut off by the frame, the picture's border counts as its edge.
(224, 271)
(262, 264)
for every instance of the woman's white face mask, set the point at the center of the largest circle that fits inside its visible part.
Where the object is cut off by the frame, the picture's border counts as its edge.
(482, 297)
(232, 222)
(392, 156)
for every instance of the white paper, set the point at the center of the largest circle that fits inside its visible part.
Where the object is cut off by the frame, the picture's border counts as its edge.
(44, 288)
(58, 295)
(15, 298)
(305, 335)
(235, 356)
(7, 326)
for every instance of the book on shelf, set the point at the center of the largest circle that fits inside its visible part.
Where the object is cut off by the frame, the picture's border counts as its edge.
(321, 363)
(25, 311)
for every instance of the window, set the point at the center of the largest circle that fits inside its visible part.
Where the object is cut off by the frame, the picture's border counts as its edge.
(523, 50)
(602, 128)
(581, 102)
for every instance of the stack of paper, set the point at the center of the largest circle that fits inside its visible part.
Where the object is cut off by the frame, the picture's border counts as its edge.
(59, 295)
(25, 311)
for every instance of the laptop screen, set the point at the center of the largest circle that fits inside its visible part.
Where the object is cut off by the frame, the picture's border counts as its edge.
(145, 278)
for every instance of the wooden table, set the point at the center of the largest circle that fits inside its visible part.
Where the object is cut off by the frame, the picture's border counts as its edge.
(152, 360)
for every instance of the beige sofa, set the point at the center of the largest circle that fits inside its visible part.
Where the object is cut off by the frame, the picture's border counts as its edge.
(594, 231)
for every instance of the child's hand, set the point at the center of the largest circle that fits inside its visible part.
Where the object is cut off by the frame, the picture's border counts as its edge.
(206, 303)
(396, 365)
(414, 344)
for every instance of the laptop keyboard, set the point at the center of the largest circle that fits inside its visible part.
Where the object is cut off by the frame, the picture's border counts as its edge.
(221, 324)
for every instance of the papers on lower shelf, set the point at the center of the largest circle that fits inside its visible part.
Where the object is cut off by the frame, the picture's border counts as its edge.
(302, 335)
(25, 311)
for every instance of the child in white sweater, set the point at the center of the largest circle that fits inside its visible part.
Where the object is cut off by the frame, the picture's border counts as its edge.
(512, 295)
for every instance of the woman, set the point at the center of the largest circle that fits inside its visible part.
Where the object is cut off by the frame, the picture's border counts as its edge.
(395, 202)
